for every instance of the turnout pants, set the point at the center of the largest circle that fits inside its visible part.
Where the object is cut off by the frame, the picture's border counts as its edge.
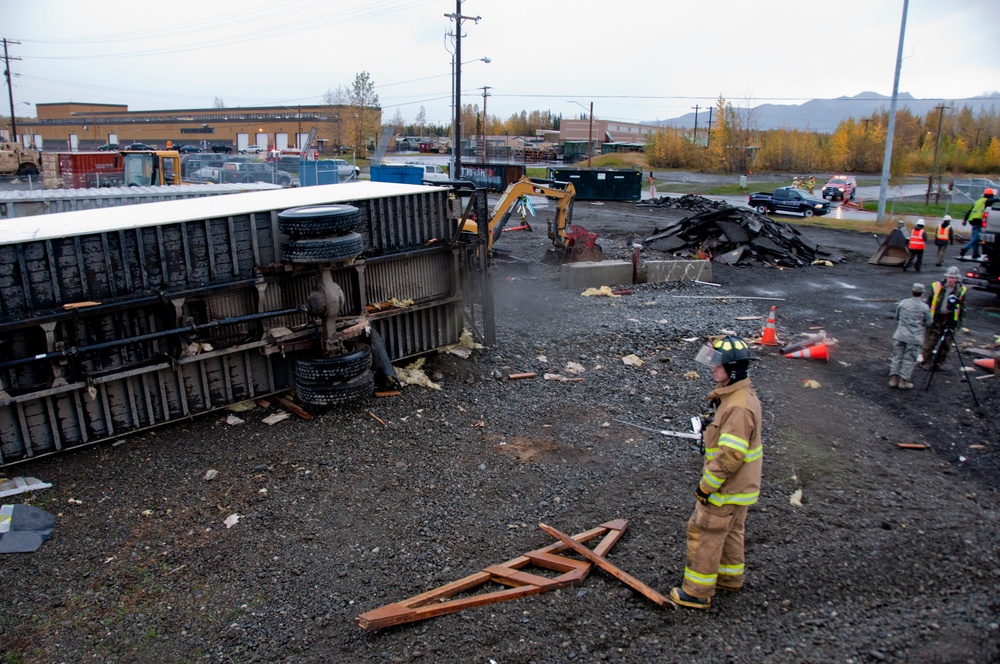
(714, 549)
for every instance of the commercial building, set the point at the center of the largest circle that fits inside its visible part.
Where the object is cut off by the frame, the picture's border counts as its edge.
(73, 126)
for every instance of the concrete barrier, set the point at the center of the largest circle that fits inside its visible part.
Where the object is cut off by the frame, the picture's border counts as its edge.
(679, 270)
(581, 276)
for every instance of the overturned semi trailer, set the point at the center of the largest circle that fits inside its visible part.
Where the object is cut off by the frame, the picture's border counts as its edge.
(117, 320)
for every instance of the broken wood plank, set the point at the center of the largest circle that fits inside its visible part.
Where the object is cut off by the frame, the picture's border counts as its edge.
(387, 393)
(263, 403)
(519, 376)
(610, 568)
(377, 419)
(441, 601)
(288, 405)
(911, 446)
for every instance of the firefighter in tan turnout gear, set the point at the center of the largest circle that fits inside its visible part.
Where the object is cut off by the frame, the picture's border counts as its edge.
(730, 479)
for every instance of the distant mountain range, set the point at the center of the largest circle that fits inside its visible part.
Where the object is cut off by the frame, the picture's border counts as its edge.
(824, 115)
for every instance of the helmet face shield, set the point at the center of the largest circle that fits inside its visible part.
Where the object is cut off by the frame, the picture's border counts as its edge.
(708, 356)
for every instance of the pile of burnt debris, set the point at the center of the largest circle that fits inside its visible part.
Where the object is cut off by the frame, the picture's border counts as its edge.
(686, 202)
(736, 236)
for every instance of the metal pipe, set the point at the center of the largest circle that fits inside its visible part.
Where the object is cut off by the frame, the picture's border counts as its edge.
(70, 352)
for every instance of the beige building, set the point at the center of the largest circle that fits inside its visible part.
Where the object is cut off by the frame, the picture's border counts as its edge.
(603, 131)
(72, 126)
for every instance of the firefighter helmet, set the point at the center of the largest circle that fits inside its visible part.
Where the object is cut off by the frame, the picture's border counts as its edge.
(724, 350)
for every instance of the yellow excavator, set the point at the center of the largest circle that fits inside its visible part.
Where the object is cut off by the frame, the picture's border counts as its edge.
(569, 243)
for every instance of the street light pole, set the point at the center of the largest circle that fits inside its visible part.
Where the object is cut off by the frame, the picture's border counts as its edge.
(457, 123)
(590, 131)
(937, 146)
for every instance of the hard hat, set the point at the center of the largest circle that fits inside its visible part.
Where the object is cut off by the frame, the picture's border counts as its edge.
(920, 223)
(952, 272)
(989, 192)
(724, 350)
(946, 217)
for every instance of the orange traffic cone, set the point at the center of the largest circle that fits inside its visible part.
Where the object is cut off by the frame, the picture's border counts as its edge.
(770, 335)
(986, 363)
(818, 352)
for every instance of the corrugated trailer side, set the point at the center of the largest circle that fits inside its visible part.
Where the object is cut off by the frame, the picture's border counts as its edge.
(114, 321)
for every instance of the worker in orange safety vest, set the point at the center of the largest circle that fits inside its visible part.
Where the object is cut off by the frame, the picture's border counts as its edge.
(942, 238)
(918, 240)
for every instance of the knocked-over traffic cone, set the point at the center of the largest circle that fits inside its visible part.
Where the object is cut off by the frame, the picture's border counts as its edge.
(986, 363)
(770, 335)
(818, 352)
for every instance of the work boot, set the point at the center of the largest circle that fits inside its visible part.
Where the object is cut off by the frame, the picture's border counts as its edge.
(681, 598)
(961, 254)
(905, 384)
(728, 589)
(893, 381)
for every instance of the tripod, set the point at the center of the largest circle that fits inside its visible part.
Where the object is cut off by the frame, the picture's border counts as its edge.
(945, 333)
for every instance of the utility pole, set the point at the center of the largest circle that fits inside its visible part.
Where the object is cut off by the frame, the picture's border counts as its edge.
(10, 88)
(486, 94)
(708, 141)
(590, 135)
(457, 144)
(887, 158)
(937, 146)
(696, 107)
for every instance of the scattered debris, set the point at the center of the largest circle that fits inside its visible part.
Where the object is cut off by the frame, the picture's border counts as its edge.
(288, 405)
(911, 446)
(574, 368)
(561, 378)
(232, 519)
(24, 528)
(522, 375)
(692, 375)
(274, 418)
(603, 291)
(414, 375)
(387, 393)
(796, 498)
(692, 202)
(735, 236)
(244, 406)
(377, 419)
(632, 360)
(17, 485)
(211, 474)
(810, 383)
(442, 601)
(232, 420)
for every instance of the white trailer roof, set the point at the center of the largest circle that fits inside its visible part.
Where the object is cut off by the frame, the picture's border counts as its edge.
(83, 222)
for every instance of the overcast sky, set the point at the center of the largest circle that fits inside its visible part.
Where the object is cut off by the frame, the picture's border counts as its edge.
(635, 60)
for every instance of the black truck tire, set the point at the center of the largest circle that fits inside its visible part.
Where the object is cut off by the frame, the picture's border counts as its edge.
(322, 250)
(319, 220)
(27, 169)
(316, 370)
(337, 392)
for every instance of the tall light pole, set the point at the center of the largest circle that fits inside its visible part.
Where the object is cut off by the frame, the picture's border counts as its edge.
(937, 146)
(887, 159)
(457, 124)
(590, 131)
(451, 166)
(696, 108)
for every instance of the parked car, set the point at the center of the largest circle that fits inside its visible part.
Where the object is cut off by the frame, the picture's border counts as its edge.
(218, 148)
(109, 147)
(345, 171)
(189, 149)
(192, 163)
(840, 186)
(252, 149)
(433, 172)
(787, 199)
(139, 146)
(234, 171)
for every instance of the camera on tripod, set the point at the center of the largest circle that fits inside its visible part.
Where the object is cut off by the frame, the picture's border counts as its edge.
(952, 303)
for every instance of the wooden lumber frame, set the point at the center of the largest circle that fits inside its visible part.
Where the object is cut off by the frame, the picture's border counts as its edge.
(438, 602)
(610, 568)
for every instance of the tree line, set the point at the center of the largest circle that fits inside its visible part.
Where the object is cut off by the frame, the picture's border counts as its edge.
(965, 143)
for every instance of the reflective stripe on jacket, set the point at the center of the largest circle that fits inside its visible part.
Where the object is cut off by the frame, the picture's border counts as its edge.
(917, 239)
(733, 450)
(943, 235)
(939, 293)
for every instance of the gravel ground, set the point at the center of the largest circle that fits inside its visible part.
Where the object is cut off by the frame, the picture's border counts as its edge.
(892, 556)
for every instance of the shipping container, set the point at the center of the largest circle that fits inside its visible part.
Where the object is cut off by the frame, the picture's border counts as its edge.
(602, 184)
